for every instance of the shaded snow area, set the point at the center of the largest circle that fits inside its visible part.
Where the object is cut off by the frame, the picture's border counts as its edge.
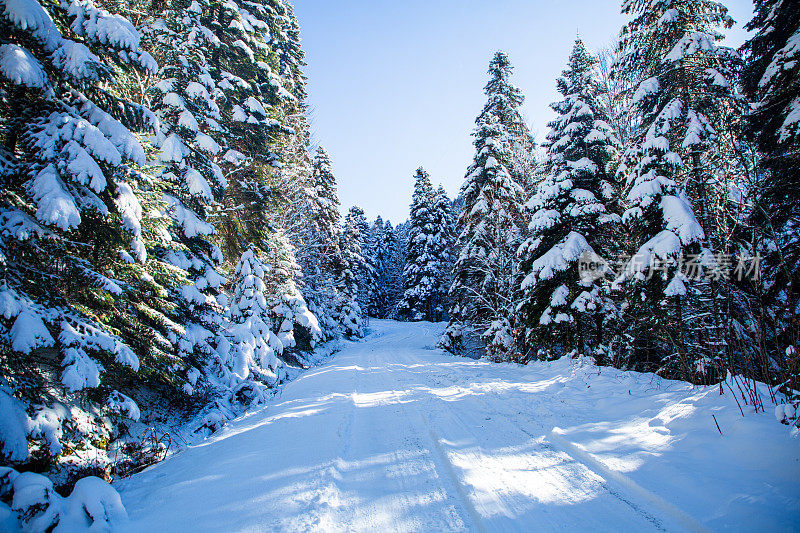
(392, 434)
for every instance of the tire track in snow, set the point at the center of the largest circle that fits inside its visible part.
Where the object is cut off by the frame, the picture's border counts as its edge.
(616, 484)
(678, 516)
(443, 464)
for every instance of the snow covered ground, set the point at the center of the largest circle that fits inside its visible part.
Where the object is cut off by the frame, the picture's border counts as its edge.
(392, 434)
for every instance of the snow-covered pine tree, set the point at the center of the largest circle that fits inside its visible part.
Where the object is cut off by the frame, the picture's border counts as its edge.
(398, 264)
(382, 238)
(251, 102)
(185, 100)
(320, 256)
(485, 291)
(442, 246)
(564, 308)
(685, 88)
(365, 274)
(285, 43)
(295, 177)
(504, 101)
(348, 311)
(254, 364)
(771, 79)
(420, 273)
(80, 296)
(297, 328)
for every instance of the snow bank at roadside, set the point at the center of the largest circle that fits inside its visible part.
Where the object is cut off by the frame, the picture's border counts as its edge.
(662, 435)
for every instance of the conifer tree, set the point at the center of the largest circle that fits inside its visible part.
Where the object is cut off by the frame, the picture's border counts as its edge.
(564, 307)
(684, 93)
(771, 79)
(504, 101)
(251, 100)
(383, 239)
(420, 273)
(442, 247)
(259, 347)
(190, 137)
(366, 272)
(78, 283)
(398, 263)
(348, 311)
(288, 308)
(484, 292)
(320, 255)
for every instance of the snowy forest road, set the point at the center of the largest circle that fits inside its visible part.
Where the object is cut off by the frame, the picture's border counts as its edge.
(394, 435)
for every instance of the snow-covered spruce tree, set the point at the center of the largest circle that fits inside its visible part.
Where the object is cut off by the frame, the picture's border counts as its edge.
(419, 274)
(382, 238)
(295, 177)
(366, 273)
(80, 297)
(254, 364)
(349, 315)
(268, 311)
(564, 309)
(251, 104)
(771, 79)
(398, 264)
(442, 245)
(504, 101)
(484, 293)
(191, 137)
(320, 254)
(297, 328)
(685, 89)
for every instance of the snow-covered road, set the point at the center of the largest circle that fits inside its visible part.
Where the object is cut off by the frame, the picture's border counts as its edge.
(394, 435)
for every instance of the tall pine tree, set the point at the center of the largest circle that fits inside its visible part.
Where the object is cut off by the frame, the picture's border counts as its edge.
(564, 308)
(419, 274)
(771, 79)
(684, 94)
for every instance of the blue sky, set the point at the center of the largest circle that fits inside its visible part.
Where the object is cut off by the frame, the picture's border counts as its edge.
(397, 84)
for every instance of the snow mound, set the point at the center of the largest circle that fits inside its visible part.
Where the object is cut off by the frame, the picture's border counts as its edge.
(28, 502)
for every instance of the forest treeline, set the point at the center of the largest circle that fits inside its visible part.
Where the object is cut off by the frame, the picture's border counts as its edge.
(172, 248)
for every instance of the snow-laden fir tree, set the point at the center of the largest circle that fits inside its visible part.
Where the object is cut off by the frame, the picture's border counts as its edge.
(391, 259)
(252, 313)
(251, 103)
(320, 255)
(442, 247)
(399, 261)
(484, 292)
(384, 244)
(564, 307)
(366, 273)
(295, 325)
(270, 324)
(771, 79)
(79, 292)
(349, 315)
(190, 138)
(504, 100)
(683, 95)
(420, 272)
